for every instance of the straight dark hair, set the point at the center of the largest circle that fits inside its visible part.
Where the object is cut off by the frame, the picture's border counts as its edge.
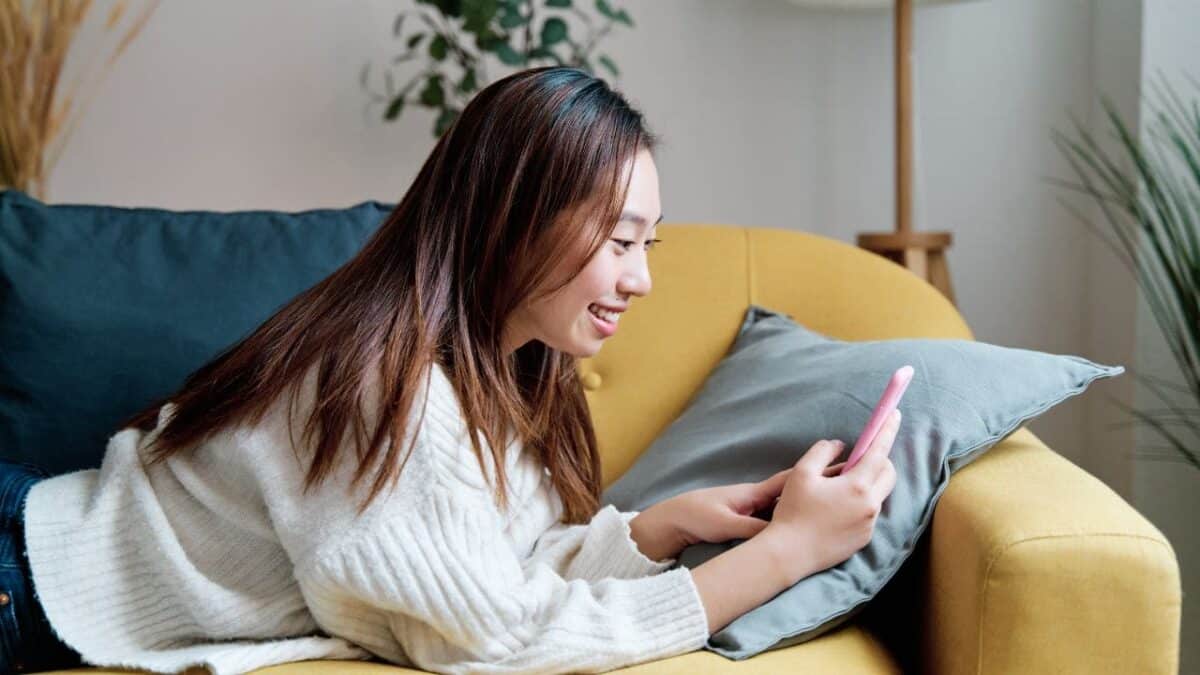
(531, 175)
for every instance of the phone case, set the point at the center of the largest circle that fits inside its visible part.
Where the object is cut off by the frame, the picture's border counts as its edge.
(887, 403)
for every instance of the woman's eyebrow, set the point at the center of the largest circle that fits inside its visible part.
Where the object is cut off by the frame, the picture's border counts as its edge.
(636, 218)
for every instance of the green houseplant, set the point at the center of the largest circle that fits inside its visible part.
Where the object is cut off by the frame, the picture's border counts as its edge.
(1149, 192)
(458, 35)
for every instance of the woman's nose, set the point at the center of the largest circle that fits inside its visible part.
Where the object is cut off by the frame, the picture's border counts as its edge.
(637, 280)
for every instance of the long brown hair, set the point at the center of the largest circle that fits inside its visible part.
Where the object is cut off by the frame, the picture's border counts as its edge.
(532, 174)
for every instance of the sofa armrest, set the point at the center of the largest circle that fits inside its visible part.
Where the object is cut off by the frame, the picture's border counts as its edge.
(1036, 566)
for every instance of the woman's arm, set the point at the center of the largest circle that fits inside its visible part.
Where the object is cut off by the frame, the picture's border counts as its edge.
(763, 565)
(763, 569)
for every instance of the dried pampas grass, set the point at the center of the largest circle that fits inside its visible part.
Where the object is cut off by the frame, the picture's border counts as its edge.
(35, 38)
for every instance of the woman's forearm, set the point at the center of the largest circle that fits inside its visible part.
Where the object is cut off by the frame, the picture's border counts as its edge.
(745, 577)
(735, 581)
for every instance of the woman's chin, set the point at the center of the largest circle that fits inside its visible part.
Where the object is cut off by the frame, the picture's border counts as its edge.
(579, 347)
(587, 347)
(585, 352)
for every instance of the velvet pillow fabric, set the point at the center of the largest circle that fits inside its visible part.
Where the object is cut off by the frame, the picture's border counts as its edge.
(104, 309)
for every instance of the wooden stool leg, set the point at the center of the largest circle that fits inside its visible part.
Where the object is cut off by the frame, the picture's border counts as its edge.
(939, 274)
(917, 261)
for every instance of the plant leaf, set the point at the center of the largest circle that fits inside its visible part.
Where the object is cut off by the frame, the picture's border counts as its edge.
(444, 120)
(554, 30)
(477, 14)
(544, 53)
(512, 19)
(467, 84)
(394, 108)
(489, 40)
(451, 8)
(432, 95)
(437, 48)
(608, 63)
(1179, 446)
(508, 55)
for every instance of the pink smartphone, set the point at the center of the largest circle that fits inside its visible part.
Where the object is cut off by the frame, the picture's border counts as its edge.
(887, 403)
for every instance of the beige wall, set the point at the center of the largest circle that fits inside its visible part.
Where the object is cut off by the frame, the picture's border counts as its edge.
(772, 115)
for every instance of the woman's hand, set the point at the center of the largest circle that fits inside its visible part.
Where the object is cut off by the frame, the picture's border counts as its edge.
(718, 514)
(715, 515)
(823, 518)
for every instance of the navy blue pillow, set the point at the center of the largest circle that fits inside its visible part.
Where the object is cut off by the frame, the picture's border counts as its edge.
(104, 309)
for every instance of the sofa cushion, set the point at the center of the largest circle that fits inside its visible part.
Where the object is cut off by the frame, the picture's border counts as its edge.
(104, 309)
(782, 387)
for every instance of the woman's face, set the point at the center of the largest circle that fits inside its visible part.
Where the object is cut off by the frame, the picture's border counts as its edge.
(567, 320)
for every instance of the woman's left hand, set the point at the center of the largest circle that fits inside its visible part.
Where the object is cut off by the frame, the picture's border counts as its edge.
(715, 515)
(718, 514)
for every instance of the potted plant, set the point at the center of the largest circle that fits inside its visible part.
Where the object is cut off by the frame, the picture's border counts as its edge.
(462, 33)
(1149, 192)
(34, 121)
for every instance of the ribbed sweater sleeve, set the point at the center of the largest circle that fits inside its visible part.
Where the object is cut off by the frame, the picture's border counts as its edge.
(601, 548)
(458, 600)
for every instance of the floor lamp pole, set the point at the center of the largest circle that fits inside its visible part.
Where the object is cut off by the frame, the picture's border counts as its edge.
(923, 253)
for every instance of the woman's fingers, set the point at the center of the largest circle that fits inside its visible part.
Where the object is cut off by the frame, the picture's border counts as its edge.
(820, 455)
(772, 485)
(888, 435)
(884, 482)
(834, 469)
(882, 445)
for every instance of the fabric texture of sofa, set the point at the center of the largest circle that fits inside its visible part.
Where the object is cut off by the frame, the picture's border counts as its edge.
(1031, 564)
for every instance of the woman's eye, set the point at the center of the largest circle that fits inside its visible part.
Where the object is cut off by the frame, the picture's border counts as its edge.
(626, 243)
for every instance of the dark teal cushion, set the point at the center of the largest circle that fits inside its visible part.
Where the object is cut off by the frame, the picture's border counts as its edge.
(104, 309)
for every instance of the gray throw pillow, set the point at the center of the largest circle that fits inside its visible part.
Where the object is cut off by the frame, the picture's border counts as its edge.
(783, 387)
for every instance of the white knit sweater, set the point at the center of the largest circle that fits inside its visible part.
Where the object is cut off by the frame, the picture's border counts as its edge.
(215, 558)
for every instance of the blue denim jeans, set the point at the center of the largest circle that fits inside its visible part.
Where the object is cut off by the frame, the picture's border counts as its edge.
(27, 643)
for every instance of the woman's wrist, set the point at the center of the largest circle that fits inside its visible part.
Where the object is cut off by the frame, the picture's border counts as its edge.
(655, 533)
(788, 559)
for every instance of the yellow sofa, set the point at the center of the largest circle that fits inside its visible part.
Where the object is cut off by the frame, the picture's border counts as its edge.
(1031, 565)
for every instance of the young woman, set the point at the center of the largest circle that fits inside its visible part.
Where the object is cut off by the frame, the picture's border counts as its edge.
(399, 464)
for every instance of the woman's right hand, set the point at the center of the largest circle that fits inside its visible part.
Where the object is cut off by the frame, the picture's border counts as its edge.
(824, 517)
